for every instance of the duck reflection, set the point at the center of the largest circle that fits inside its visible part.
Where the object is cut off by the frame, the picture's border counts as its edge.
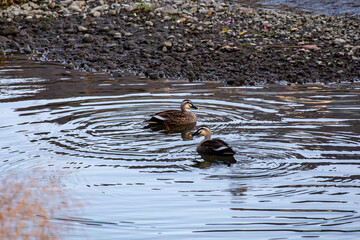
(210, 160)
(184, 129)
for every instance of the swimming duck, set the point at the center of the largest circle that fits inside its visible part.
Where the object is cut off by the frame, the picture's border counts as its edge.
(213, 147)
(175, 117)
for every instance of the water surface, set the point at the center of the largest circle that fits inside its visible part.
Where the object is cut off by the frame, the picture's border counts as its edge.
(297, 170)
(344, 8)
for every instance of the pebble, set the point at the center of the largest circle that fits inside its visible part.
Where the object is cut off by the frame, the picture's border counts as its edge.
(96, 14)
(154, 76)
(75, 8)
(168, 44)
(88, 38)
(149, 23)
(113, 12)
(10, 30)
(82, 28)
(98, 9)
(27, 49)
(339, 41)
(187, 37)
(52, 5)
(117, 35)
(4, 39)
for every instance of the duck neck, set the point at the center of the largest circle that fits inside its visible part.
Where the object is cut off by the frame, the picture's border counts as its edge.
(206, 137)
(184, 109)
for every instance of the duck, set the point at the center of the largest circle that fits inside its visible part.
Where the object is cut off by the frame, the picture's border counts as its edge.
(175, 117)
(212, 147)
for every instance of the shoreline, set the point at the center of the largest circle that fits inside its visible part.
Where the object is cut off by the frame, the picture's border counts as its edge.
(195, 41)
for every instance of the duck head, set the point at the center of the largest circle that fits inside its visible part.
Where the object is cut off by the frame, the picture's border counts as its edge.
(187, 104)
(202, 131)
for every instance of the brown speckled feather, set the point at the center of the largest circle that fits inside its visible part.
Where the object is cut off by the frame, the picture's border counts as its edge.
(173, 117)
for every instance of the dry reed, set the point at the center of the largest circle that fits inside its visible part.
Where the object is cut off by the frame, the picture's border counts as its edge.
(28, 207)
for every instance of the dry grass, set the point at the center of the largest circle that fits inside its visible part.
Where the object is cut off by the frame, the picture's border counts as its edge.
(28, 207)
(11, 2)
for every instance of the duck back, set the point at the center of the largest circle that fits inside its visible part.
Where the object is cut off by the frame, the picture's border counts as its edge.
(172, 117)
(215, 147)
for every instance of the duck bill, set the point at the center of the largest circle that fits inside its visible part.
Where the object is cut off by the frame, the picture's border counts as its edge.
(193, 106)
(193, 134)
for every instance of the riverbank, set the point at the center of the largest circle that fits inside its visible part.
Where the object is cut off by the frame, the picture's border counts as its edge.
(193, 40)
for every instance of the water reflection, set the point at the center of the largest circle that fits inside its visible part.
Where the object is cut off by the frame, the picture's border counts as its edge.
(29, 204)
(209, 160)
(349, 8)
(184, 129)
(295, 175)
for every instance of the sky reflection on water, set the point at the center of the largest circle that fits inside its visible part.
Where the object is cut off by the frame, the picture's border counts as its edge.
(297, 164)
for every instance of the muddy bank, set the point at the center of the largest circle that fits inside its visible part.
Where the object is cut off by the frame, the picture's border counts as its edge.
(193, 40)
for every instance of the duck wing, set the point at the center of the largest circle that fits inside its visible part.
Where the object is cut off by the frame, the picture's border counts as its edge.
(215, 147)
(169, 117)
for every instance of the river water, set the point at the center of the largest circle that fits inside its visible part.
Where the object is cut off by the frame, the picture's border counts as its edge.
(348, 8)
(298, 154)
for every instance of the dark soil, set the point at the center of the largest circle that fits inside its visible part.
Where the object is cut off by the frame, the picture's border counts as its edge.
(182, 48)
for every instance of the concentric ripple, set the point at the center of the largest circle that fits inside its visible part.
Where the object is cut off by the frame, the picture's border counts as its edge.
(104, 128)
(296, 175)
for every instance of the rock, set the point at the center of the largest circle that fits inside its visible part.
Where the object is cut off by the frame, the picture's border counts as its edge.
(187, 39)
(10, 30)
(149, 23)
(100, 8)
(167, 9)
(46, 27)
(117, 35)
(4, 39)
(118, 74)
(52, 5)
(154, 76)
(66, 2)
(26, 7)
(112, 65)
(130, 45)
(105, 29)
(131, 7)
(15, 45)
(339, 41)
(113, 12)
(168, 44)
(27, 49)
(88, 38)
(82, 28)
(210, 44)
(75, 8)
(23, 33)
(230, 82)
(64, 11)
(96, 14)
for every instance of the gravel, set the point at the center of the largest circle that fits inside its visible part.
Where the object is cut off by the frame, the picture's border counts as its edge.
(195, 40)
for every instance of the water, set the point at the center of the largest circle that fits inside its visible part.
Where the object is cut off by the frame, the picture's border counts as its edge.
(296, 176)
(348, 8)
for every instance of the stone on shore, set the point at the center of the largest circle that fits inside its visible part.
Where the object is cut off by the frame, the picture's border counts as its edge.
(196, 40)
